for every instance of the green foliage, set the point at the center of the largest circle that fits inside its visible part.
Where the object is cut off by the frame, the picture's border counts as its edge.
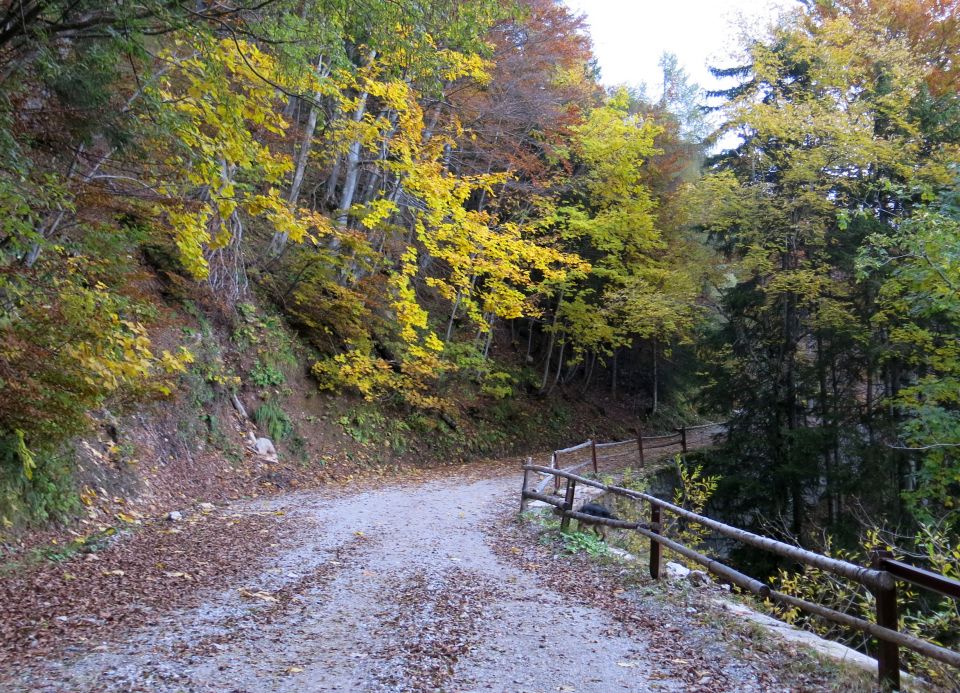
(274, 420)
(575, 542)
(840, 160)
(928, 617)
(919, 307)
(370, 426)
(46, 494)
(266, 374)
(693, 493)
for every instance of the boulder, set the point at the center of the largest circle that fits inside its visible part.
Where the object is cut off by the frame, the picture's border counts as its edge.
(675, 571)
(265, 448)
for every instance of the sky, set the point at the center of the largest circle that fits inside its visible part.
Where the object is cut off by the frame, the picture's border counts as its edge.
(630, 35)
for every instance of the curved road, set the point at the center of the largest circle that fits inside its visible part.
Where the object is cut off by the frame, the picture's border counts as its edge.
(407, 588)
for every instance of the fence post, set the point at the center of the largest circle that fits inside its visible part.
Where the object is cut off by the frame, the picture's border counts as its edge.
(888, 653)
(568, 504)
(683, 439)
(654, 545)
(524, 501)
(640, 445)
(593, 453)
(556, 479)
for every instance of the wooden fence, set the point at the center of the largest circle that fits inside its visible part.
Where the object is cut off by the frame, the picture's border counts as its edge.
(592, 453)
(881, 578)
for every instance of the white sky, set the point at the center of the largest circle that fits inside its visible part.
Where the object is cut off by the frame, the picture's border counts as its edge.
(630, 35)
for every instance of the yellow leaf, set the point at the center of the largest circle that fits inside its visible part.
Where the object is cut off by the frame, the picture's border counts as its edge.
(256, 594)
(185, 576)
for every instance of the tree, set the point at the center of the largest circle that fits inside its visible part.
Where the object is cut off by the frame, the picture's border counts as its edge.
(837, 137)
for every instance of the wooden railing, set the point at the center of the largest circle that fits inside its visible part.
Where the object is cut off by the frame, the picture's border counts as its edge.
(881, 578)
(592, 454)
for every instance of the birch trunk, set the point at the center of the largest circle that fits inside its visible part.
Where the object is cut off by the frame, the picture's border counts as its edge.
(352, 163)
(279, 241)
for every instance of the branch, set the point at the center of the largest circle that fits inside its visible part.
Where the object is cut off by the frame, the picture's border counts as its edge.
(932, 446)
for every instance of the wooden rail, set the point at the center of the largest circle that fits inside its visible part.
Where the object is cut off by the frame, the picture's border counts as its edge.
(592, 453)
(881, 578)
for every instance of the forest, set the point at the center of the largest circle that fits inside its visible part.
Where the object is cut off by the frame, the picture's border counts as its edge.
(448, 208)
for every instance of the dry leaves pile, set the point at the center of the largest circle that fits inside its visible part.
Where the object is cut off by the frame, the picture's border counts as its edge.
(689, 644)
(435, 624)
(57, 606)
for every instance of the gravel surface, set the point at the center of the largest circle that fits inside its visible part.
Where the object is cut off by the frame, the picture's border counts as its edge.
(423, 587)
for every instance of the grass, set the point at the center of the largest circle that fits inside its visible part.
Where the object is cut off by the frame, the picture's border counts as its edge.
(274, 420)
(58, 553)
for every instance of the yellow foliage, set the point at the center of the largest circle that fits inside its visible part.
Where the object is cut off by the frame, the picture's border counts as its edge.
(218, 94)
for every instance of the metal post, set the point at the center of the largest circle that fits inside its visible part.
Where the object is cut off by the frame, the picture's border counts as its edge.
(524, 501)
(593, 452)
(654, 545)
(888, 653)
(640, 446)
(568, 504)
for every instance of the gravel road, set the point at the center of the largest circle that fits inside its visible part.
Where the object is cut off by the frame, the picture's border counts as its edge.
(405, 588)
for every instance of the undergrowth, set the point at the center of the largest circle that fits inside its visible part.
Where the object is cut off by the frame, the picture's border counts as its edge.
(274, 420)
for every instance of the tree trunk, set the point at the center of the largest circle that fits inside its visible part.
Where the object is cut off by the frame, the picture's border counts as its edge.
(553, 339)
(279, 240)
(613, 376)
(656, 376)
(486, 348)
(353, 160)
(556, 378)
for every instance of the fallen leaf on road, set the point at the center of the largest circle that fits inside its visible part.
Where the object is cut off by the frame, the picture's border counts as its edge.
(294, 670)
(258, 594)
(179, 575)
(116, 573)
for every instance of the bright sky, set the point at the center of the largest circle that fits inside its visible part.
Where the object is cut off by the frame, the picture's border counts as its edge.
(630, 35)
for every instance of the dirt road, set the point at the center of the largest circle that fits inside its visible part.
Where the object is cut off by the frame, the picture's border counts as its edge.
(408, 588)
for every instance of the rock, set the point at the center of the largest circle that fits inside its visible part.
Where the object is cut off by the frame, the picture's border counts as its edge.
(675, 571)
(264, 446)
(698, 578)
(207, 507)
(110, 424)
(620, 553)
(174, 516)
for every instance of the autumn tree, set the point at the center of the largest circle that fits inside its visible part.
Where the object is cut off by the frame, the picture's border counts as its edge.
(837, 144)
